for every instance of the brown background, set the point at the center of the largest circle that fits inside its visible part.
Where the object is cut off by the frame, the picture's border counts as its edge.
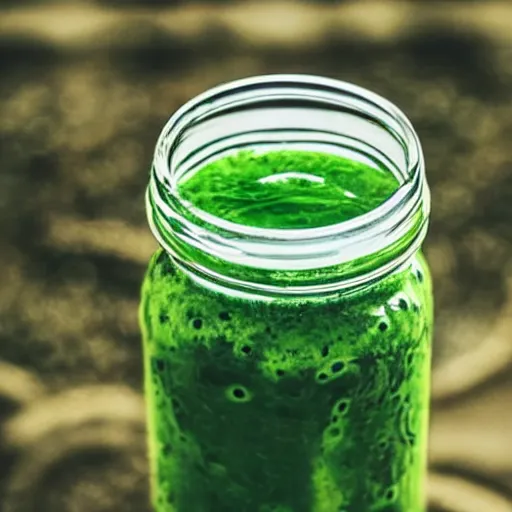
(85, 88)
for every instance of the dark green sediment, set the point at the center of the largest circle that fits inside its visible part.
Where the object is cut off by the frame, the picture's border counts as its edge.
(287, 406)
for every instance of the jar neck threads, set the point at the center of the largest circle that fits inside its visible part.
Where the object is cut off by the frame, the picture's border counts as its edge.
(292, 112)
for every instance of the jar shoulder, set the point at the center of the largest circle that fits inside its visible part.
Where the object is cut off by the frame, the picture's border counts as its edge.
(395, 311)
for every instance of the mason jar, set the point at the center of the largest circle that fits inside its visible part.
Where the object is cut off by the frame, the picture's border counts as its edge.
(287, 316)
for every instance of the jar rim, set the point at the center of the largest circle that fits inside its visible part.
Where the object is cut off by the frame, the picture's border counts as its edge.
(179, 118)
(251, 246)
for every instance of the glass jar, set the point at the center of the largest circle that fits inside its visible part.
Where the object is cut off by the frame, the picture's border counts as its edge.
(287, 368)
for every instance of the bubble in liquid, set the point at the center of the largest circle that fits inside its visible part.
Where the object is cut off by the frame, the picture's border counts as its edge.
(390, 494)
(342, 406)
(322, 377)
(403, 304)
(383, 326)
(238, 393)
(337, 367)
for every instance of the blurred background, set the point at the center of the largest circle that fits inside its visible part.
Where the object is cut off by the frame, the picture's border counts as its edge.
(86, 86)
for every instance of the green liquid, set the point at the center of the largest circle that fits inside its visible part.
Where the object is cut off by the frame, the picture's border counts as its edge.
(288, 406)
(288, 189)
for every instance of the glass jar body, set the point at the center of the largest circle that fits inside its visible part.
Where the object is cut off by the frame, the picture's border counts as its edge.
(291, 405)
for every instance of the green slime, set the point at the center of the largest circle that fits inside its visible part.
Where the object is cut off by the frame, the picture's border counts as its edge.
(288, 189)
(291, 405)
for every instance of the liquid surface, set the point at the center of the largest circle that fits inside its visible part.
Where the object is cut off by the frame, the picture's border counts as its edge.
(288, 189)
(289, 406)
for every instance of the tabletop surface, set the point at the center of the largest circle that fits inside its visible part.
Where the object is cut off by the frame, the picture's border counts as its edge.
(85, 88)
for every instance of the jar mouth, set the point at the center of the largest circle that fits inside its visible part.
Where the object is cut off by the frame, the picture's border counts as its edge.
(400, 220)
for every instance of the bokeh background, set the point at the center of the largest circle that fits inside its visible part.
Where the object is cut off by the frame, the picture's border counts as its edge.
(85, 87)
